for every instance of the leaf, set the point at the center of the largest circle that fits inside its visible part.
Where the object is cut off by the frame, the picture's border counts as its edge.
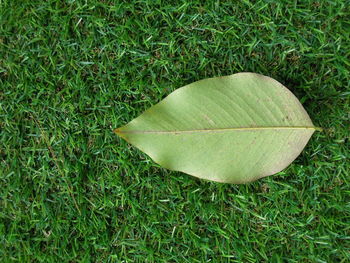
(232, 129)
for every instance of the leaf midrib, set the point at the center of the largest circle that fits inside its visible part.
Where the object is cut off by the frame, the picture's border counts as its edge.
(118, 131)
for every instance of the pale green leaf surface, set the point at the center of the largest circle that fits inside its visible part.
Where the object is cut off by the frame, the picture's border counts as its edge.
(232, 129)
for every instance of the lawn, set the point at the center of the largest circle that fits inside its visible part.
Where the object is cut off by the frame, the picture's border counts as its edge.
(72, 191)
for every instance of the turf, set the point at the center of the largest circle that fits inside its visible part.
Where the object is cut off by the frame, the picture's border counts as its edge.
(72, 71)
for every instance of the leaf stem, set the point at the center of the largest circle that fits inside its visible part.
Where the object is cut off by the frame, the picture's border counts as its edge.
(119, 131)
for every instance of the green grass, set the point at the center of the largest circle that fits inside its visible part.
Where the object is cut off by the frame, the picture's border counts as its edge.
(71, 72)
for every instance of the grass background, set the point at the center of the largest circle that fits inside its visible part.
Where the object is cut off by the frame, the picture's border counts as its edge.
(71, 191)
